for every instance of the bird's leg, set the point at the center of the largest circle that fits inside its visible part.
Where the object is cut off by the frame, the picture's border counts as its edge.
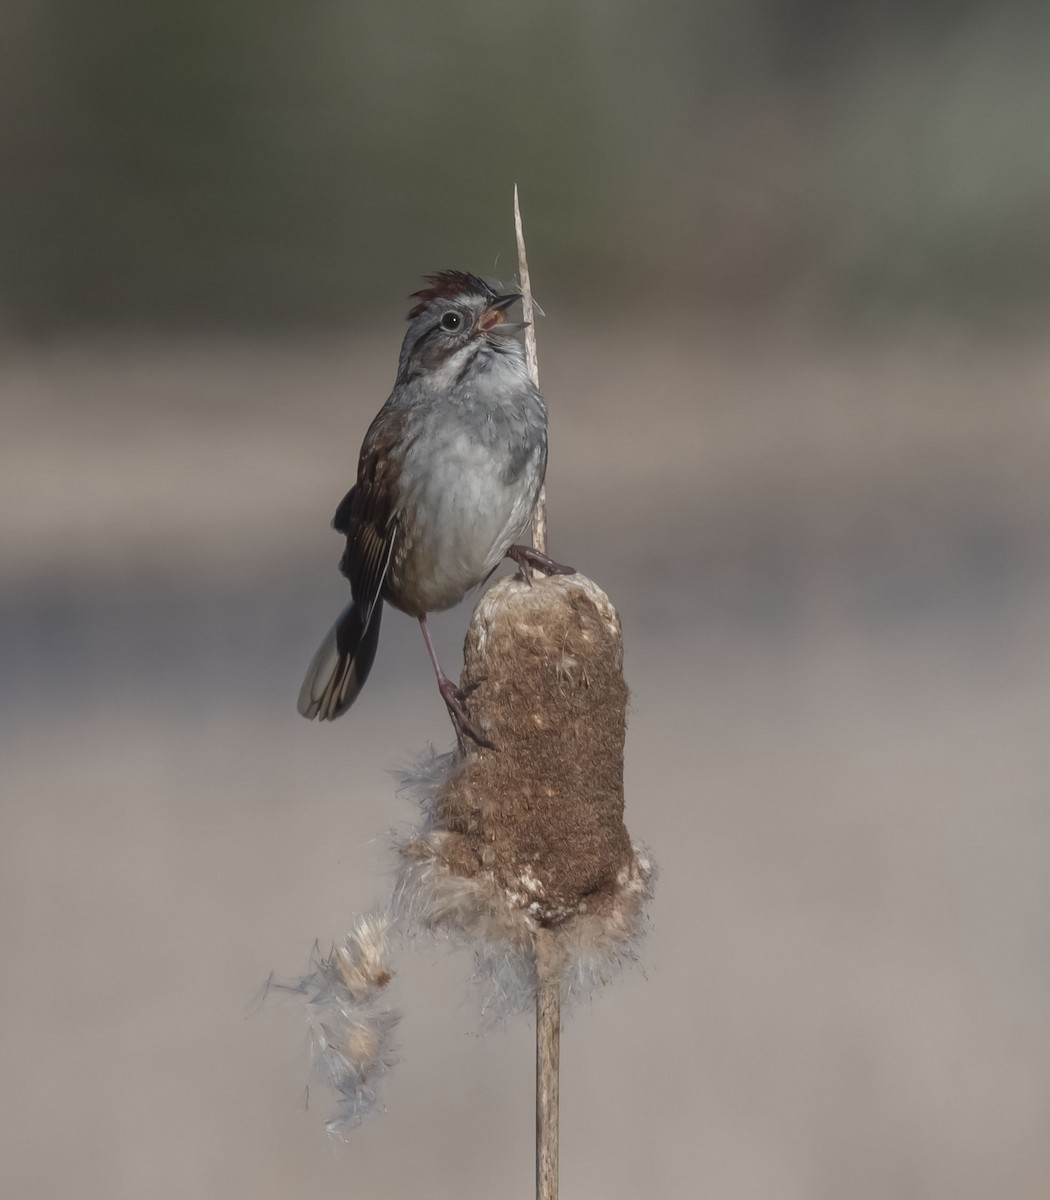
(454, 697)
(529, 556)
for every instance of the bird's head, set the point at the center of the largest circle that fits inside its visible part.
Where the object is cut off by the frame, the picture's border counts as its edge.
(457, 316)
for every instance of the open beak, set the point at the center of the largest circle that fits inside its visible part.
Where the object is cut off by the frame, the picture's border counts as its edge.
(492, 319)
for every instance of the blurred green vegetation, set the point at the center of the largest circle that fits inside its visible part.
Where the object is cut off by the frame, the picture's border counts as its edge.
(245, 162)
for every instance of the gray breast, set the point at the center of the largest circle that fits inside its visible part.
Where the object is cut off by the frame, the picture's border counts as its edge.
(469, 485)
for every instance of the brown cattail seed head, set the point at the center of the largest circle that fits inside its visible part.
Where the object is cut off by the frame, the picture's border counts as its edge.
(530, 835)
(545, 662)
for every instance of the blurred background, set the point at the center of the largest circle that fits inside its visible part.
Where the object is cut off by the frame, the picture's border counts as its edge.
(795, 263)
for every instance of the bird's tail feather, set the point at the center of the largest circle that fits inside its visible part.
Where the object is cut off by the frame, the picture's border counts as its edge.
(340, 667)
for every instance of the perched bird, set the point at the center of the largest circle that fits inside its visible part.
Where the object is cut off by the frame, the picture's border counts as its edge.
(448, 477)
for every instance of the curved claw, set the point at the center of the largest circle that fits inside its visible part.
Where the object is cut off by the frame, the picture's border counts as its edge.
(529, 556)
(455, 701)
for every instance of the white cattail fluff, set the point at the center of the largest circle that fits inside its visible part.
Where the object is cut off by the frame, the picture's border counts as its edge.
(435, 895)
(350, 1024)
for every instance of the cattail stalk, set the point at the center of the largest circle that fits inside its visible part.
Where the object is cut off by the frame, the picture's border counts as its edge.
(548, 977)
(548, 1054)
(539, 517)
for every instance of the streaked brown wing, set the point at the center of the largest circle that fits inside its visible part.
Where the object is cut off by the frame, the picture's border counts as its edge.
(366, 512)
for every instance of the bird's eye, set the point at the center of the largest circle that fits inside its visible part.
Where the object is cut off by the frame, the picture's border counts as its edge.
(451, 320)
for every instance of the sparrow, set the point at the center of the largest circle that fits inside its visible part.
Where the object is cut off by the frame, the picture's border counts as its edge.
(447, 479)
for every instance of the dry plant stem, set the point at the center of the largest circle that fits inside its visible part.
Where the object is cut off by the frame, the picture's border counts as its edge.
(548, 1053)
(548, 987)
(539, 517)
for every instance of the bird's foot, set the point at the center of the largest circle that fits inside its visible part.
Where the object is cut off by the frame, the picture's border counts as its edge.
(529, 556)
(455, 699)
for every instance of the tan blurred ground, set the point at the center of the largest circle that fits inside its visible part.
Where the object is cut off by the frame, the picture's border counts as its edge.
(831, 565)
